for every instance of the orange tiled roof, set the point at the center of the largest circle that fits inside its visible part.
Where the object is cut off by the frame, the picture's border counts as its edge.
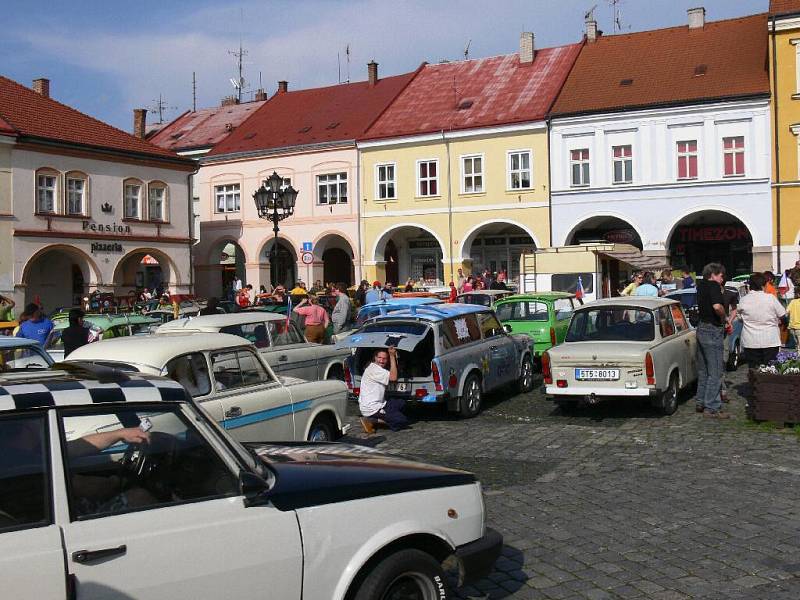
(780, 7)
(26, 113)
(724, 59)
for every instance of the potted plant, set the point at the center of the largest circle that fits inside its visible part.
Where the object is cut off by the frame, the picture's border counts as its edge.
(776, 390)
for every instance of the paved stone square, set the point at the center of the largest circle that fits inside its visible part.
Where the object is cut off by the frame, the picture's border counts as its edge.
(615, 501)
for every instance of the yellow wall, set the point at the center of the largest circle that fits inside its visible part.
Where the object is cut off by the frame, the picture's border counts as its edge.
(788, 114)
(6, 223)
(526, 208)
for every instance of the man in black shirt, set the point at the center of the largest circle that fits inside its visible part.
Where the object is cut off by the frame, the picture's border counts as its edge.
(710, 341)
(76, 335)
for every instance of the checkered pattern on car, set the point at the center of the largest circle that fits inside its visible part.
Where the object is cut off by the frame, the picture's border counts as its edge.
(75, 392)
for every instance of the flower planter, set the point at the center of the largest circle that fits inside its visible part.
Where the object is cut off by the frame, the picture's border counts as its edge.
(774, 397)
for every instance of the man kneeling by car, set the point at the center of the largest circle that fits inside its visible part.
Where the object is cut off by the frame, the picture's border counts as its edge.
(372, 399)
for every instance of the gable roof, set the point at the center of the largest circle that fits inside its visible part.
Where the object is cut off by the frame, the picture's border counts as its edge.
(782, 7)
(677, 65)
(314, 116)
(203, 128)
(27, 114)
(477, 93)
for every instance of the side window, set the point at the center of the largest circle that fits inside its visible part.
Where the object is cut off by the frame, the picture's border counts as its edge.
(252, 332)
(490, 326)
(536, 311)
(284, 333)
(510, 311)
(227, 373)
(188, 467)
(191, 371)
(461, 330)
(665, 325)
(253, 371)
(24, 478)
(678, 318)
(563, 308)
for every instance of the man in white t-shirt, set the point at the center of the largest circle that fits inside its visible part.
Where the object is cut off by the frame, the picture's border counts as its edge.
(372, 398)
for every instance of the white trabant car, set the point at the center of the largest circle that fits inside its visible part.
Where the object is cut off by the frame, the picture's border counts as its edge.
(20, 358)
(634, 347)
(230, 380)
(166, 505)
(277, 339)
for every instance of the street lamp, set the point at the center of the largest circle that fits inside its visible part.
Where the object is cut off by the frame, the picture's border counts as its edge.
(274, 204)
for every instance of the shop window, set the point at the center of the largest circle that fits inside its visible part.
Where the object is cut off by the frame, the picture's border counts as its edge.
(622, 164)
(519, 170)
(385, 177)
(132, 199)
(46, 191)
(157, 201)
(579, 166)
(687, 159)
(471, 174)
(77, 185)
(227, 198)
(427, 178)
(733, 156)
(332, 189)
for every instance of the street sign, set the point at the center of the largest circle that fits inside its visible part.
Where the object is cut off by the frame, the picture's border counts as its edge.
(307, 258)
(307, 246)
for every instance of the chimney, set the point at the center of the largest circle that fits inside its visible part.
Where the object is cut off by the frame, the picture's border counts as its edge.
(139, 121)
(42, 86)
(229, 101)
(526, 47)
(591, 31)
(697, 17)
(372, 70)
(260, 95)
(283, 87)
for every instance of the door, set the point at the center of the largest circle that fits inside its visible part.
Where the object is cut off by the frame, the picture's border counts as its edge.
(503, 360)
(289, 353)
(31, 553)
(671, 350)
(255, 407)
(179, 527)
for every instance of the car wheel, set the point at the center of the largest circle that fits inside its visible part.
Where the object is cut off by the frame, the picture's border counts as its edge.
(321, 430)
(405, 575)
(669, 397)
(526, 376)
(735, 357)
(471, 397)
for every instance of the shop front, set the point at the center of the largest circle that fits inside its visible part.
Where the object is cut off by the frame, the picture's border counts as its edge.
(712, 237)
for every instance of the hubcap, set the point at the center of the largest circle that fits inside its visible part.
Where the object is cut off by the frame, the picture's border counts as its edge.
(410, 586)
(526, 375)
(473, 396)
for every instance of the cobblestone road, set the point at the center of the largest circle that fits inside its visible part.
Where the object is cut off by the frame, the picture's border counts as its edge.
(615, 501)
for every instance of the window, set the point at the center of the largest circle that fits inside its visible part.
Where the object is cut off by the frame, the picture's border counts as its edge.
(227, 197)
(237, 369)
(679, 318)
(428, 178)
(522, 311)
(611, 324)
(568, 282)
(283, 334)
(623, 164)
(664, 318)
(490, 326)
(76, 194)
(519, 170)
(23, 359)
(460, 330)
(579, 165)
(563, 308)
(24, 480)
(252, 332)
(191, 371)
(46, 189)
(188, 467)
(157, 200)
(386, 182)
(133, 200)
(733, 156)
(687, 159)
(471, 174)
(332, 189)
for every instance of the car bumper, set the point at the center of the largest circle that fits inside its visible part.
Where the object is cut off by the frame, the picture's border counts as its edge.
(477, 558)
(552, 391)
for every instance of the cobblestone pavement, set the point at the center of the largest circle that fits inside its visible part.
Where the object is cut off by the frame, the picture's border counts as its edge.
(615, 501)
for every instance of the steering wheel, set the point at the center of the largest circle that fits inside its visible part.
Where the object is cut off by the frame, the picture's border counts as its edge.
(140, 468)
(133, 461)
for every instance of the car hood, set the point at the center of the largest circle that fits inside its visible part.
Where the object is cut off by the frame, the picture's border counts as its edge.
(312, 474)
(598, 353)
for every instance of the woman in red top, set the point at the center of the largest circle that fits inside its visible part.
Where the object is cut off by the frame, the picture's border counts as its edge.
(453, 293)
(316, 318)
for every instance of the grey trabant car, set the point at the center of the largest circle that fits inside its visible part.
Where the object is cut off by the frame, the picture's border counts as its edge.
(634, 347)
(278, 340)
(447, 353)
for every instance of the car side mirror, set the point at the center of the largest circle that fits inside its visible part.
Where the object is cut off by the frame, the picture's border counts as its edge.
(254, 489)
(507, 328)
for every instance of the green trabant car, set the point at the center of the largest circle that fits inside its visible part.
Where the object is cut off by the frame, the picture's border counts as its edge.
(544, 316)
(101, 327)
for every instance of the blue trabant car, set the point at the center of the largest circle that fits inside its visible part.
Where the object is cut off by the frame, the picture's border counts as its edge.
(447, 354)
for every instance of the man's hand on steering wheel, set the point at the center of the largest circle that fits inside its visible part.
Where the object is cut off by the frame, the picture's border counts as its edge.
(134, 435)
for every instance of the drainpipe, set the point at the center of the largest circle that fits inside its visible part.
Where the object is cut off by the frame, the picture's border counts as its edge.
(360, 274)
(777, 145)
(189, 183)
(449, 207)
(549, 184)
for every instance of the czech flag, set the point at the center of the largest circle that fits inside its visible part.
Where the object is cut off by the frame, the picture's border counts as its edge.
(783, 286)
(579, 291)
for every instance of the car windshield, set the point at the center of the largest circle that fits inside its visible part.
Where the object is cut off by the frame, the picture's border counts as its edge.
(612, 324)
(24, 358)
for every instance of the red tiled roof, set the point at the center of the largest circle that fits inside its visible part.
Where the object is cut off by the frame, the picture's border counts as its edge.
(725, 59)
(314, 116)
(477, 93)
(203, 128)
(780, 7)
(30, 114)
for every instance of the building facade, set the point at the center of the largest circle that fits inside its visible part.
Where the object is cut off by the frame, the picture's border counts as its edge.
(84, 206)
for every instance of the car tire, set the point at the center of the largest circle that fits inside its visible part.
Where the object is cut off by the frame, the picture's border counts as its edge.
(321, 430)
(735, 357)
(471, 397)
(407, 574)
(669, 397)
(526, 376)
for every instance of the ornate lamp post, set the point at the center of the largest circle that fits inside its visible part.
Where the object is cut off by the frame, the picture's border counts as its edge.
(274, 204)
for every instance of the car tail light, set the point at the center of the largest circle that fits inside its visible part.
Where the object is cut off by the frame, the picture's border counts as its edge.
(437, 380)
(562, 383)
(453, 381)
(552, 336)
(649, 369)
(421, 393)
(357, 391)
(546, 372)
(348, 380)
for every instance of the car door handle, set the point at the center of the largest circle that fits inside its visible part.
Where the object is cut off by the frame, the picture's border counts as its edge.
(85, 556)
(687, 342)
(283, 358)
(233, 411)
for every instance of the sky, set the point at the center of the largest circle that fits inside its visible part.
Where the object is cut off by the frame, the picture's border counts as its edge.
(108, 57)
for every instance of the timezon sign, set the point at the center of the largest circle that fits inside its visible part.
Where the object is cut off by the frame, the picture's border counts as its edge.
(110, 246)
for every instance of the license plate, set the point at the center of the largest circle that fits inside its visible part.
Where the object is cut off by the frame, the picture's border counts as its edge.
(401, 387)
(597, 374)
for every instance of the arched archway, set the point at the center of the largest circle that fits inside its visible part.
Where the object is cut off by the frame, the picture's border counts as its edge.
(59, 276)
(604, 228)
(711, 236)
(285, 270)
(496, 246)
(335, 252)
(145, 268)
(410, 250)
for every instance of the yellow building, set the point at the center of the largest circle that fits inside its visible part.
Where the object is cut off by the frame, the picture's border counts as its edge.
(454, 174)
(784, 60)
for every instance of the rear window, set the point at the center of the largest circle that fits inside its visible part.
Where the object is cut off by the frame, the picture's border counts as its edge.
(611, 324)
(479, 299)
(528, 310)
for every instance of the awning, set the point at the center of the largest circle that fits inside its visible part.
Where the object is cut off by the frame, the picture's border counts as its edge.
(634, 257)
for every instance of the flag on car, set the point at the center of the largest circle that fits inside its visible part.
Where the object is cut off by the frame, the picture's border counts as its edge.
(783, 286)
(579, 291)
(288, 311)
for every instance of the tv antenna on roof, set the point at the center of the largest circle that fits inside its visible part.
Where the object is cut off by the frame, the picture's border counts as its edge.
(589, 16)
(239, 83)
(466, 50)
(617, 14)
(159, 107)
